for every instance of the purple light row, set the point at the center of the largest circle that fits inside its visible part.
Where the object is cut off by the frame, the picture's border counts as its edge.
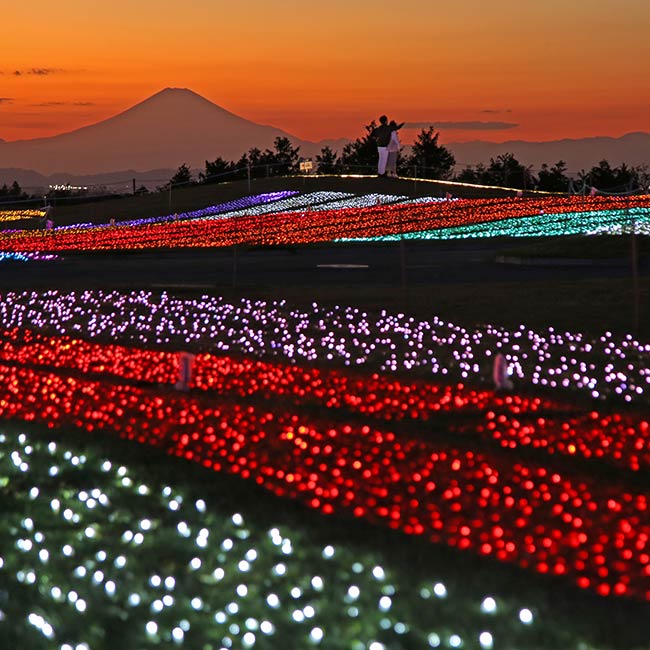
(601, 367)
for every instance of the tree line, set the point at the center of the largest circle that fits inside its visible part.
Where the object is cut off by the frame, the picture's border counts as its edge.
(426, 158)
(11, 193)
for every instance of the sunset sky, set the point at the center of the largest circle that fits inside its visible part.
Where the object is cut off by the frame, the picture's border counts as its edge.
(509, 69)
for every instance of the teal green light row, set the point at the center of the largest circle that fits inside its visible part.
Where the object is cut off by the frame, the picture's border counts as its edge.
(598, 222)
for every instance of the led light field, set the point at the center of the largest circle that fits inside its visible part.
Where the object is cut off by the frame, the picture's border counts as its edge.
(101, 550)
(309, 219)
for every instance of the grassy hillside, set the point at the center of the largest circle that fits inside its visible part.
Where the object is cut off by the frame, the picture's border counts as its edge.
(194, 197)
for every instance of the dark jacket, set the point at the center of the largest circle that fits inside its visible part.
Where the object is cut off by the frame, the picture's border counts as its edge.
(381, 135)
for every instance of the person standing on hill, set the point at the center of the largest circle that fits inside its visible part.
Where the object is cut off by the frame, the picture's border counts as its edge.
(381, 136)
(393, 149)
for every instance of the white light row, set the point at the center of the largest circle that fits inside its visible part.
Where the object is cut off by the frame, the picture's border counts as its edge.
(170, 604)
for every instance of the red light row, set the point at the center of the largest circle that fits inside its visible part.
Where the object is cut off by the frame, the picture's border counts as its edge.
(593, 532)
(512, 420)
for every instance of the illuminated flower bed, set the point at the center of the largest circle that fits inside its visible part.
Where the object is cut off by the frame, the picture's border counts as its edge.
(273, 202)
(595, 222)
(261, 204)
(589, 530)
(513, 420)
(101, 550)
(256, 204)
(320, 225)
(27, 257)
(17, 215)
(258, 201)
(604, 367)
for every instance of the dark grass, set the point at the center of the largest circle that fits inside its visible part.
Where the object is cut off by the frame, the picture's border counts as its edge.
(595, 247)
(591, 306)
(195, 197)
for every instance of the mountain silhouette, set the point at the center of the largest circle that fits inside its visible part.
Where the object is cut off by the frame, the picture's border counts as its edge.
(633, 149)
(172, 127)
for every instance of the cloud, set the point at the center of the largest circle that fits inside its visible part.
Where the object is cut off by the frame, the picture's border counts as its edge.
(55, 104)
(6, 100)
(463, 126)
(38, 72)
(496, 111)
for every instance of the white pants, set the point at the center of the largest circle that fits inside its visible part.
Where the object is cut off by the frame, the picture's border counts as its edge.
(383, 157)
(391, 163)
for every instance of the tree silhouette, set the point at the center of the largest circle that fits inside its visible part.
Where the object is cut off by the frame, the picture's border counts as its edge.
(252, 162)
(286, 157)
(183, 176)
(553, 179)
(216, 171)
(643, 177)
(361, 155)
(476, 174)
(13, 192)
(431, 159)
(612, 179)
(504, 171)
(507, 171)
(327, 161)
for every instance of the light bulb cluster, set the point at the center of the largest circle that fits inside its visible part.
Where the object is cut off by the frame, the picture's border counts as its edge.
(188, 569)
(257, 202)
(273, 202)
(621, 439)
(27, 257)
(261, 227)
(604, 367)
(17, 215)
(603, 222)
(585, 529)
(244, 203)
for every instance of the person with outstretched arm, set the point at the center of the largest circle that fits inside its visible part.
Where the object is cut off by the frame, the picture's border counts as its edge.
(382, 134)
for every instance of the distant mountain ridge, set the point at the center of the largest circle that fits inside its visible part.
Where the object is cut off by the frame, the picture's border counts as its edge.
(176, 126)
(632, 149)
(114, 182)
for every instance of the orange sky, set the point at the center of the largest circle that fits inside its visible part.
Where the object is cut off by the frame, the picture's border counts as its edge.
(323, 70)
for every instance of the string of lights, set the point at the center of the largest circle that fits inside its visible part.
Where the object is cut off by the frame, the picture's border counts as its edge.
(27, 257)
(606, 222)
(600, 368)
(234, 206)
(16, 215)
